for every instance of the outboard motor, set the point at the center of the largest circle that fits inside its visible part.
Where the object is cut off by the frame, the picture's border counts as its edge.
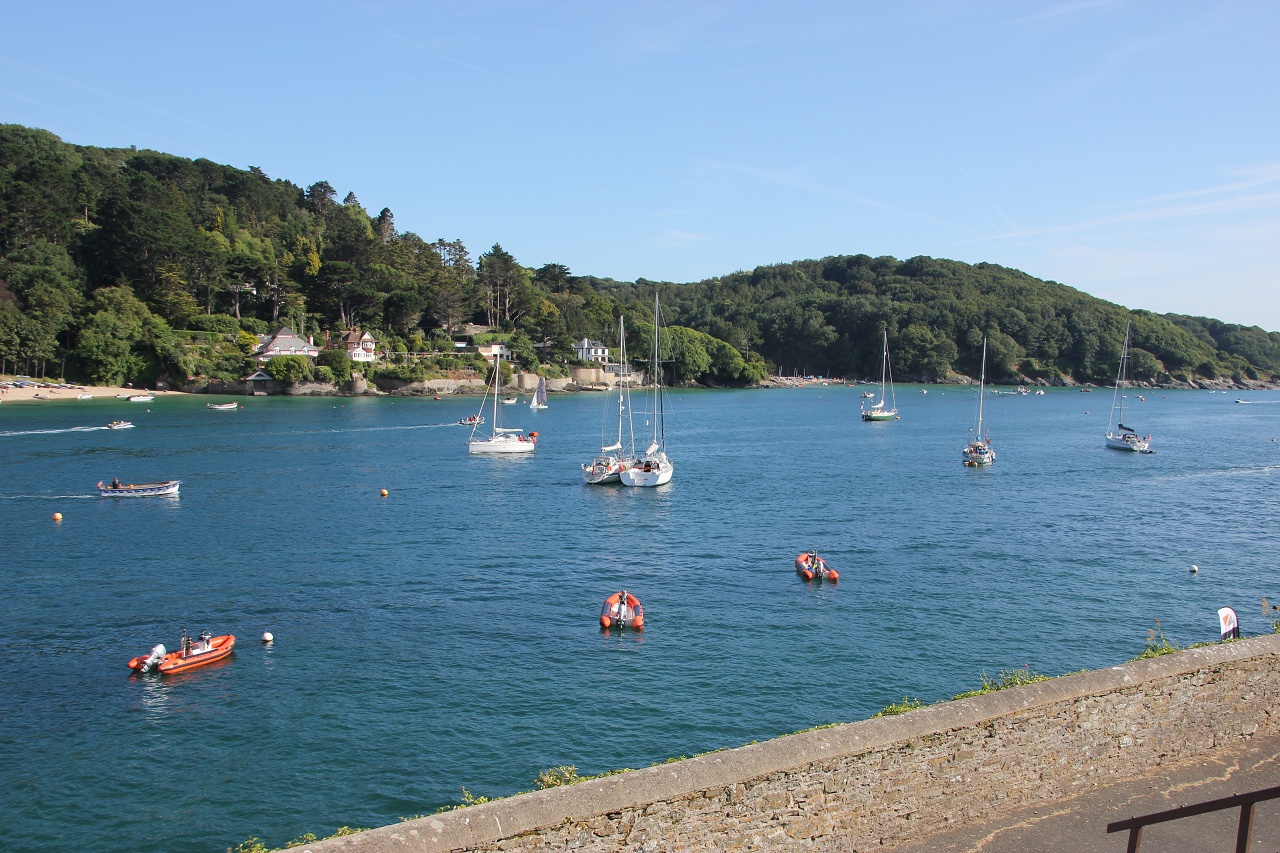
(156, 658)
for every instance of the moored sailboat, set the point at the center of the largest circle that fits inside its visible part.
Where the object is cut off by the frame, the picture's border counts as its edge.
(1123, 437)
(653, 467)
(501, 439)
(609, 464)
(978, 453)
(878, 411)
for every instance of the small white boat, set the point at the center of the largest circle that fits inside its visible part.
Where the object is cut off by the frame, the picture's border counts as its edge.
(653, 467)
(878, 411)
(978, 453)
(609, 464)
(141, 398)
(138, 490)
(509, 401)
(119, 425)
(539, 399)
(1124, 438)
(1039, 392)
(84, 396)
(501, 439)
(222, 407)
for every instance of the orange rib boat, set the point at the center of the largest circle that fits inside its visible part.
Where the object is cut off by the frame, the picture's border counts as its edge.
(622, 610)
(204, 650)
(810, 566)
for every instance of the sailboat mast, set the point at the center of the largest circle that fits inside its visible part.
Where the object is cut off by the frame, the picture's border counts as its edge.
(982, 384)
(1117, 396)
(497, 380)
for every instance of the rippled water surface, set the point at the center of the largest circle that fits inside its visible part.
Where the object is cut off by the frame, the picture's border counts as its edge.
(446, 635)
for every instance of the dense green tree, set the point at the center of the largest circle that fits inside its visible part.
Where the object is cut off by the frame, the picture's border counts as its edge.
(290, 368)
(337, 361)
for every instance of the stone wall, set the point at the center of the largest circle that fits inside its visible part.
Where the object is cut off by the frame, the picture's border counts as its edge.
(887, 780)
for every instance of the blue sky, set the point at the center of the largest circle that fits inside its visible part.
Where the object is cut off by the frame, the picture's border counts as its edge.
(1128, 149)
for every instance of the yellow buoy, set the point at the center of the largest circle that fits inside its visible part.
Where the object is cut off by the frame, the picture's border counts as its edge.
(383, 493)
(57, 516)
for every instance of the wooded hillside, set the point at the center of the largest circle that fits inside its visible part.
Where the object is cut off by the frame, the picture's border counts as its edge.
(119, 264)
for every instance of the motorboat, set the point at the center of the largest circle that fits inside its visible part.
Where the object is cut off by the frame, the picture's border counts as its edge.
(471, 420)
(622, 610)
(138, 490)
(812, 567)
(222, 407)
(119, 425)
(141, 398)
(201, 651)
(510, 401)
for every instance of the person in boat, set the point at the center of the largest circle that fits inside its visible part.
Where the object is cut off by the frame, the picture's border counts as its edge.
(813, 561)
(115, 483)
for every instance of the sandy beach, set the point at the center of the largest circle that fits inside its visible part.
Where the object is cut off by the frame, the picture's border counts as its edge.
(28, 394)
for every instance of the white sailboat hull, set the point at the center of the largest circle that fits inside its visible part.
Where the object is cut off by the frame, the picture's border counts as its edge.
(648, 472)
(978, 455)
(1128, 441)
(603, 471)
(502, 444)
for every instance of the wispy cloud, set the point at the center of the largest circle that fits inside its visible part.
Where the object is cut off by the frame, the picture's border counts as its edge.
(1197, 208)
(1063, 9)
(422, 47)
(831, 190)
(674, 238)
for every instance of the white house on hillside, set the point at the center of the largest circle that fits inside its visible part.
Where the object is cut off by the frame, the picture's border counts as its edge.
(491, 350)
(360, 346)
(589, 350)
(284, 341)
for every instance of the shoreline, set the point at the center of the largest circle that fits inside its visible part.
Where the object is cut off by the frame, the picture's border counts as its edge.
(71, 391)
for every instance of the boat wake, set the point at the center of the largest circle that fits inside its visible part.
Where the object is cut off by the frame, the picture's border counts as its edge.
(12, 433)
(44, 497)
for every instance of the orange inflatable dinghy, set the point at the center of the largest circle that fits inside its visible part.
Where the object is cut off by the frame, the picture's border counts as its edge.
(810, 566)
(205, 650)
(622, 610)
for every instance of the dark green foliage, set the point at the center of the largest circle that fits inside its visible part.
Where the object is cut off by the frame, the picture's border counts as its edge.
(223, 323)
(199, 245)
(290, 368)
(337, 362)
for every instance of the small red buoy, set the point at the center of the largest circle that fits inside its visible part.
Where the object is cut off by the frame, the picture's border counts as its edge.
(57, 516)
(383, 493)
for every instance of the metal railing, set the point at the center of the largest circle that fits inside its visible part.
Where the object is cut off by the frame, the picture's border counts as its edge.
(1245, 802)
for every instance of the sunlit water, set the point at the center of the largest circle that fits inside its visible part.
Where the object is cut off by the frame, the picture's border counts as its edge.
(446, 635)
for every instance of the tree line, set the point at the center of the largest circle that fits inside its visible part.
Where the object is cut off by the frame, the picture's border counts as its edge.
(116, 264)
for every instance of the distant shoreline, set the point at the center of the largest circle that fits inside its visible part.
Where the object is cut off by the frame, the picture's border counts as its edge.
(71, 391)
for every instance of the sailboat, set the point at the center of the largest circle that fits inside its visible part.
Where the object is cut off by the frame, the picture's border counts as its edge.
(653, 467)
(978, 452)
(608, 466)
(500, 440)
(877, 411)
(539, 398)
(1124, 438)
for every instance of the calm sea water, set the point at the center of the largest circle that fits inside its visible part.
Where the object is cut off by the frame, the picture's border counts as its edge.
(446, 636)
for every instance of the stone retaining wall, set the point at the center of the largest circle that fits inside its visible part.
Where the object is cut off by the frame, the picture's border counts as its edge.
(887, 780)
